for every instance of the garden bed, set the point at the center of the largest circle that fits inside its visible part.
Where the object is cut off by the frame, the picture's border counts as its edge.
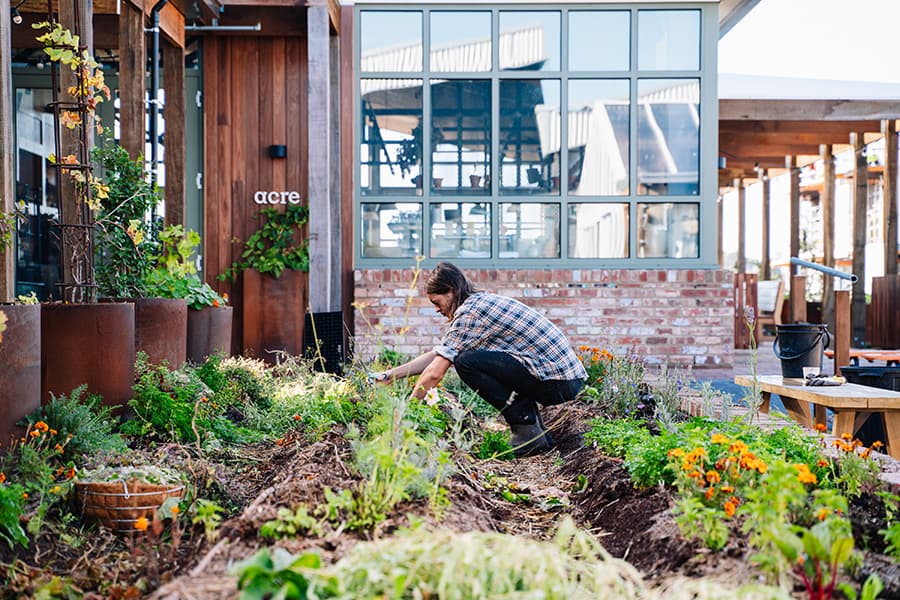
(283, 458)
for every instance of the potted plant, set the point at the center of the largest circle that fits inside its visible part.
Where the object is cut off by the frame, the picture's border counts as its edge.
(273, 266)
(82, 341)
(174, 275)
(20, 362)
(126, 251)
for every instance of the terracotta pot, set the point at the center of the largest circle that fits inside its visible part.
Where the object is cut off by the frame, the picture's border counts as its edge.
(208, 332)
(20, 368)
(89, 344)
(160, 330)
(274, 310)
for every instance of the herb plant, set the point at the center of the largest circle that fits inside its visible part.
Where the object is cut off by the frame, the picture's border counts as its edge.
(276, 245)
(175, 275)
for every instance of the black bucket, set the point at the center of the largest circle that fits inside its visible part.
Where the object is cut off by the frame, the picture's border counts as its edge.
(800, 345)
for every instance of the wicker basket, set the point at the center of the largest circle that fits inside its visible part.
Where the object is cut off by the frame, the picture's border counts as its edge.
(118, 504)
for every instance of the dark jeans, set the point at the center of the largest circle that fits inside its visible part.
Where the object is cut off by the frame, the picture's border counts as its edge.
(508, 386)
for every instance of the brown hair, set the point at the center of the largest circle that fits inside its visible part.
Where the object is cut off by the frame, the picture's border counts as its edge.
(446, 277)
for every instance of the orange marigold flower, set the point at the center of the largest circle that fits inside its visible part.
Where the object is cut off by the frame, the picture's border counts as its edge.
(41, 426)
(822, 514)
(761, 467)
(2, 477)
(713, 477)
(822, 463)
(216, 303)
(53, 432)
(582, 348)
(297, 417)
(141, 524)
(729, 508)
(727, 489)
(175, 510)
(837, 443)
(225, 297)
(738, 448)
(735, 500)
(801, 560)
(821, 427)
(804, 475)
(846, 436)
(710, 492)
(877, 444)
(721, 464)
(70, 474)
(25, 495)
(58, 448)
(718, 438)
(34, 433)
(676, 452)
(279, 442)
(865, 453)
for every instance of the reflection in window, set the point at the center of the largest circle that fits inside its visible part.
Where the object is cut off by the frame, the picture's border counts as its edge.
(599, 40)
(668, 230)
(529, 136)
(668, 136)
(391, 136)
(599, 117)
(390, 41)
(598, 230)
(529, 230)
(391, 230)
(529, 40)
(669, 40)
(460, 136)
(460, 230)
(460, 41)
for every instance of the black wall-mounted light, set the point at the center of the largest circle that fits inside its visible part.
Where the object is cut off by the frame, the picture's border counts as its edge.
(16, 16)
(277, 151)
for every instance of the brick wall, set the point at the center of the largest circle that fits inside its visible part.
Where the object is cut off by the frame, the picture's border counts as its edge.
(683, 317)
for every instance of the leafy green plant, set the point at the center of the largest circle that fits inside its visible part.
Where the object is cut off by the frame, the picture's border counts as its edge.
(124, 237)
(89, 426)
(12, 506)
(817, 554)
(621, 391)
(613, 437)
(174, 274)
(276, 245)
(495, 444)
(209, 514)
(276, 573)
(290, 523)
(667, 390)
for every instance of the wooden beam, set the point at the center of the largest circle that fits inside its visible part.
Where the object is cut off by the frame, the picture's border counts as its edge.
(794, 204)
(173, 113)
(749, 164)
(741, 266)
(765, 268)
(803, 126)
(106, 34)
(810, 138)
(109, 7)
(827, 203)
(809, 110)
(7, 172)
(773, 149)
(132, 81)
(859, 199)
(841, 330)
(889, 179)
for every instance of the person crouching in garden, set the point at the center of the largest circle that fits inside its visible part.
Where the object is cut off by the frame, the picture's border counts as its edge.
(508, 353)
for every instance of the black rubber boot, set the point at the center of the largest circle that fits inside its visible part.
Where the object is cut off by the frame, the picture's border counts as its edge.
(528, 436)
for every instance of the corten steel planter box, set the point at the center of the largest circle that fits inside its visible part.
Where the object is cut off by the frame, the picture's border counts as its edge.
(20, 368)
(89, 344)
(274, 311)
(208, 332)
(160, 330)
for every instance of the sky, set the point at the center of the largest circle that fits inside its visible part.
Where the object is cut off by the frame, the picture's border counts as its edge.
(852, 40)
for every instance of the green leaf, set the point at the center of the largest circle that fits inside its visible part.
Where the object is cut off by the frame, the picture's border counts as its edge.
(841, 550)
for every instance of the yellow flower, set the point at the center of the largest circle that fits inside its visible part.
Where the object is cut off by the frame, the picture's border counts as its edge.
(713, 477)
(718, 438)
(141, 524)
(804, 475)
(846, 436)
(822, 514)
(877, 444)
(676, 452)
(738, 448)
(55, 489)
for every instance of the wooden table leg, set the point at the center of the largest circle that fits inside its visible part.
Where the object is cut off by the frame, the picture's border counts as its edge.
(892, 433)
(843, 422)
(821, 413)
(798, 411)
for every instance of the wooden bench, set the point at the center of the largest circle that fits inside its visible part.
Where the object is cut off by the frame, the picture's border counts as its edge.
(891, 357)
(851, 403)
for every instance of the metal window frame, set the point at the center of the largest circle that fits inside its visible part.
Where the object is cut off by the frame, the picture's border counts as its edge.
(709, 114)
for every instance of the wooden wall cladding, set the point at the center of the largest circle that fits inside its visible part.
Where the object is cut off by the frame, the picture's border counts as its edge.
(254, 96)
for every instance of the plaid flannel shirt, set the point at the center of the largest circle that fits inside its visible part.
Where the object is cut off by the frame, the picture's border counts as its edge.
(488, 321)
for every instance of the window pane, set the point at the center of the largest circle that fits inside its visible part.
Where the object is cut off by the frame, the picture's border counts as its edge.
(529, 230)
(390, 41)
(529, 41)
(668, 230)
(460, 136)
(599, 40)
(598, 230)
(390, 152)
(669, 40)
(461, 230)
(460, 41)
(599, 118)
(668, 136)
(529, 136)
(391, 230)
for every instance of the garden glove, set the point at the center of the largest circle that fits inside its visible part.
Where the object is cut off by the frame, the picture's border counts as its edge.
(378, 376)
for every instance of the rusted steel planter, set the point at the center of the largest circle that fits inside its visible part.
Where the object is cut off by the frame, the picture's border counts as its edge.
(208, 332)
(20, 368)
(160, 330)
(89, 344)
(274, 311)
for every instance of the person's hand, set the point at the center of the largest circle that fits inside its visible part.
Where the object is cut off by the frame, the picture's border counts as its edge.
(376, 377)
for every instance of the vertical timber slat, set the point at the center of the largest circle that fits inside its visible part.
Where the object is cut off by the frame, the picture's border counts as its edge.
(827, 200)
(889, 129)
(797, 294)
(741, 266)
(7, 174)
(766, 266)
(173, 112)
(132, 80)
